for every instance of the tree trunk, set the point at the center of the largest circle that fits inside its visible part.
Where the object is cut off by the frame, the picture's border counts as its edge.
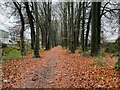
(98, 24)
(37, 45)
(69, 26)
(87, 32)
(65, 25)
(30, 17)
(72, 28)
(94, 41)
(78, 25)
(49, 26)
(18, 6)
(83, 27)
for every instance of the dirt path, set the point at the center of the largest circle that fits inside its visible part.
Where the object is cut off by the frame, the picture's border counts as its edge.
(58, 69)
(45, 75)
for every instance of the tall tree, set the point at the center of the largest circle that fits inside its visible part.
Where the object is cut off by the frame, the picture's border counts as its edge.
(31, 22)
(69, 25)
(37, 45)
(98, 24)
(65, 25)
(117, 66)
(78, 25)
(83, 27)
(94, 41)
(48, 46)
(72, 28)
(19, 8)
(87, 32)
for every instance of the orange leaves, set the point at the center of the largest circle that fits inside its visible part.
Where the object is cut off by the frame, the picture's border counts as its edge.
(59, 69)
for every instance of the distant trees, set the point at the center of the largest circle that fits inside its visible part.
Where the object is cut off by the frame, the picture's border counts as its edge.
(80, 24)
(76, 26)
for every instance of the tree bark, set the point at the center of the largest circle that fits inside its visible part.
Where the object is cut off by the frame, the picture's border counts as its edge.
(30, 17)
(37, 45)
(83, 27)
(98, 24)
(65, 25)
(94, 41)
(69, 26)
(87, 32)
(72, 28)
(77, 26)
(18, 6)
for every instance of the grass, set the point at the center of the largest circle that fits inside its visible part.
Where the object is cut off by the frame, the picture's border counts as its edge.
(117, 65)
(102, 53)
(86, 54)
(14, 54)
(99, 62)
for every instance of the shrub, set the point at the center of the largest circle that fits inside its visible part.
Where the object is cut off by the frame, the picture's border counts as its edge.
(99, 62)
(117, 65)
(4, 45)
(41, 50)
(111, 48)
(102, 54)
(14, 54)
(10, 48)
(86, 54)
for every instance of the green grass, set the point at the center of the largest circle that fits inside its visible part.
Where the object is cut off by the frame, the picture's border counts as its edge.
(14, 54)
(117, 65)
(10, 48)
(86, 54)
(111, 48)
(99, 62)
(102, 53)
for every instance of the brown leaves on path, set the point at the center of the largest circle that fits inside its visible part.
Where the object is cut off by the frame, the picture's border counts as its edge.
(58, 69)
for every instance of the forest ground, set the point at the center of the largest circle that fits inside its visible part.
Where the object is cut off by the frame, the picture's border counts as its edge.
(58, 69)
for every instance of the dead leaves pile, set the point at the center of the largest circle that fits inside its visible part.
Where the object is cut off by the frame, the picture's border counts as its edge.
(72, 71)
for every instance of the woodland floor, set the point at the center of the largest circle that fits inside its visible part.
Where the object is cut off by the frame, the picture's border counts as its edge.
(58, 69)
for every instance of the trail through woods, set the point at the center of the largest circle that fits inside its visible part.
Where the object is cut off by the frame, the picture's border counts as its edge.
(59, 69)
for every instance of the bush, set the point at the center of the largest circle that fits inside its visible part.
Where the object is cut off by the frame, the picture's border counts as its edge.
(99, 62)
(117, 65)
(86, 54)
(41, 50)
(111, 48)
(102, 54)
(10, 48)
(14, 54)
(4, 45)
